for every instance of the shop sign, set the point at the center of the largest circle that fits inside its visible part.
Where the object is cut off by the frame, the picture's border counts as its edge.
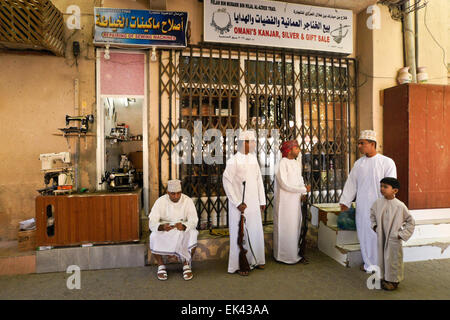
(140, 28)
(278, 24)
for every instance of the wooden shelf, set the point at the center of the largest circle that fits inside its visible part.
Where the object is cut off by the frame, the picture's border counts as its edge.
(73, 134)
(122, 140)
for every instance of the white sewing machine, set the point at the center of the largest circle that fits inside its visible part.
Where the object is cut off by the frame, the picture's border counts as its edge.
(49, 159)
(57, 179)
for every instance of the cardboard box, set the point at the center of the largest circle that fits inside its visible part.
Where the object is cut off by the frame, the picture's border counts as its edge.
(27, 240)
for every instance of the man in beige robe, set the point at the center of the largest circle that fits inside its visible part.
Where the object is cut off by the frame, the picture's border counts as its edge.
(392, 223)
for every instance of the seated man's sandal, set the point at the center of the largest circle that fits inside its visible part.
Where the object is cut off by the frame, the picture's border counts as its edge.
(162, 273)
(186, 270)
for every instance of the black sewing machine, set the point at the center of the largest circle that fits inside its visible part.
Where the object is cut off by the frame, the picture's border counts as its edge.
(57, 181)
(118, 181)
(84, 127)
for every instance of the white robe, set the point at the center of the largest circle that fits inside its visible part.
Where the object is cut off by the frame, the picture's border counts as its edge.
(287, 219)
(392, 220)
(241, 168)
(173, 242)
(364, 183)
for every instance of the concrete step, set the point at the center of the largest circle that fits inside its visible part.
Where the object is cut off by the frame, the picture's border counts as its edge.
(429, 241)
(338, 245)
(418, 250)
(91, 258)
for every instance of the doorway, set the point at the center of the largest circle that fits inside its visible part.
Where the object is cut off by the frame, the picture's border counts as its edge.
(122, 122)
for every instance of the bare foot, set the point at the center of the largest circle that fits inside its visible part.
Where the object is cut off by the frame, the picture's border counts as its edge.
(243, 273)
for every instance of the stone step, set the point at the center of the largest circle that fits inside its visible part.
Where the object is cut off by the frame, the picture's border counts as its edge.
(343, 246)
(431, 216)
(346, 253)
(419, 250)
(91, 258)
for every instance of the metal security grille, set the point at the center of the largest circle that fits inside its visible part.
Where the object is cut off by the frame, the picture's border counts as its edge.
(281, 94)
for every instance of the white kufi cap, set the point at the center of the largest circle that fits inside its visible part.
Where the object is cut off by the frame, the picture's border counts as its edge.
(368, 135)
(247, 135)
(174, 186)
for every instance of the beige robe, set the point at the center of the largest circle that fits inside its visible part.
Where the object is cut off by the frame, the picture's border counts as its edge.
(392, 220)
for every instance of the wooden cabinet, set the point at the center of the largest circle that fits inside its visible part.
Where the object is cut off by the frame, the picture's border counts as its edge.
(88, 218)
(416, 135)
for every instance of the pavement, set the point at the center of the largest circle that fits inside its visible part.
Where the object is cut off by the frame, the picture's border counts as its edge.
(322, 278)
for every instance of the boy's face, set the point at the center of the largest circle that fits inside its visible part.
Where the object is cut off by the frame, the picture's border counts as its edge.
(387, 191)
(295, 151)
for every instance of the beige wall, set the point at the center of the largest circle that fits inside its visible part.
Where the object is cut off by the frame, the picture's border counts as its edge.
(36, 93)
(380, 56)
(430, 55)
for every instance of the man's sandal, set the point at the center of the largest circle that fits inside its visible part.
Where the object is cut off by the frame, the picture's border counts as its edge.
(186, 270)
(303, 260)
(389, 286)
(243, 273)
(162, 273)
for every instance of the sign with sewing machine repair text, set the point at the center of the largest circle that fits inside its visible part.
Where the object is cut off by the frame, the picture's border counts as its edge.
(278, 24)
(140, 28)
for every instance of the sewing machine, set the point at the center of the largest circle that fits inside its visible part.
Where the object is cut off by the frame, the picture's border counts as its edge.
(49, 159)
(120, 181)
(57, 179)
(84, 127)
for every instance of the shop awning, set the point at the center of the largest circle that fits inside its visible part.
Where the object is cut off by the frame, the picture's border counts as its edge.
(31, 24)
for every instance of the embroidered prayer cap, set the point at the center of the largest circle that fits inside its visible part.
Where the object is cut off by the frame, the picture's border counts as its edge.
(247, 135)
(287, 146)
(393, 182)
(368, 135)
(174, 185)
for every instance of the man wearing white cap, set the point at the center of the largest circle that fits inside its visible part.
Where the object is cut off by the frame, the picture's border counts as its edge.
(173, 221)
(364, 183)
(243, 166)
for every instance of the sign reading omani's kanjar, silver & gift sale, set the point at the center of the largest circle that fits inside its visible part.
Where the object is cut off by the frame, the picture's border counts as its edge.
(278, 24)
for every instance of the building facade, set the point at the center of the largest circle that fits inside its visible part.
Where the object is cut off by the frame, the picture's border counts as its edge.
(322, 100)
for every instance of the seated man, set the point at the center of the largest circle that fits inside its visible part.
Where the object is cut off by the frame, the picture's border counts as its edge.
(173, 221)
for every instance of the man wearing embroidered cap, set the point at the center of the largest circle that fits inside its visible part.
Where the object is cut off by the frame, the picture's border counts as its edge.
(243, 166)
(363, 183)
(173, 221)
(287, 218)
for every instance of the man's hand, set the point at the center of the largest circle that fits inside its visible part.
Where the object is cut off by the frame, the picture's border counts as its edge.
(165, 227)
(180, 226)
(242, 207)
(263, 208)
(304, 197)
(343, 207)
